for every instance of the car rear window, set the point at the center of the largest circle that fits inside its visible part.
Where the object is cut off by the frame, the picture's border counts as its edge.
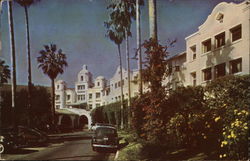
(105, 131)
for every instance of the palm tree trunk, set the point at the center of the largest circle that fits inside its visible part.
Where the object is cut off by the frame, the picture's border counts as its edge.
(129, 87)
(152, 19)
(29, 65)
(122, 112)
(13, 62)
(53, 102)
(138, 30)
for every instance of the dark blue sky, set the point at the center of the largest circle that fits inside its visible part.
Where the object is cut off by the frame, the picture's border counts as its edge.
(76, 26)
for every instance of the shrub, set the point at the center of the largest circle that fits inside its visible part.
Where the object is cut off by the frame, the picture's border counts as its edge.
(228, 100)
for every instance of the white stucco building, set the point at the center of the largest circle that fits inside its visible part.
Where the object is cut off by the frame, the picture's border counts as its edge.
(89, 94)
(220, 47)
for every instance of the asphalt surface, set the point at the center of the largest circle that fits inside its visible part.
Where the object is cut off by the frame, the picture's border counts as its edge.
(78, 148)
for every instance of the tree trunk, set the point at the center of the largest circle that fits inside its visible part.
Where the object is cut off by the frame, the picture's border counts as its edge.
(152, 19)
(138, 31)
(122, 112)
(13, 62)
(129, 87)
(29, 106)
(53, 102)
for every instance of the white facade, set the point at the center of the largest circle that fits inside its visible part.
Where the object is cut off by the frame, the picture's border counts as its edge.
(86, 94)
(97, 93)
(220, 47)
(114, 89)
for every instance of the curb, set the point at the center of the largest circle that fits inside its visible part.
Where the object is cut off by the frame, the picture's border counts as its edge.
(117, 154)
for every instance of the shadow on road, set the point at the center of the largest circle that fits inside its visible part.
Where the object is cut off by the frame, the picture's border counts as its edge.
(51, 141)
(73, 157)
(20, 151)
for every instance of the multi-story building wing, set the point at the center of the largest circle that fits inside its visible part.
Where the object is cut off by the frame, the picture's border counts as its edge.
(113, 93)
(60, 92)
(176, 71)
(220, 46)
(96, 94)
(83, 83)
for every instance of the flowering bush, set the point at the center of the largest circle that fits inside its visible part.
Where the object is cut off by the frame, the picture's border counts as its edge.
(228, 98)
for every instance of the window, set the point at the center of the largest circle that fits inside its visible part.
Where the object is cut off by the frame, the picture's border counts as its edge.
(80, 87)
(236, 33)
(193, 51)
(68, 97)
(98, 84)
(90, 95)
(170, 68)
(206, 46)
(177, 68)
(220, 70)
(97, 105)
(97, 95)
(81, 78)
(193, 76)
(90, 106)
(220, 40)
(115, 85)
(207, 74)
(220, 17)
(81, 97)
(123, 82)
(119, 84)
(236, 66)
(57, 106)
(57, 97)
(58, 86)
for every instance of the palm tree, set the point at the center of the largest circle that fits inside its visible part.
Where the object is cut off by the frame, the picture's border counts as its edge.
(26, 4)
(122, 13)
(52, 63)
(152, 19)
(4, 72)
(116, 35)
(138, 36)
(13, 62)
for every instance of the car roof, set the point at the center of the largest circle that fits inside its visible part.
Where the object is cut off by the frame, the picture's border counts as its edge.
(109, 127)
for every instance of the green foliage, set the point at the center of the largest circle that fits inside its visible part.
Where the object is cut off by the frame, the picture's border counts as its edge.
(120, 20)
(155, 63)
(228, 100)
(40, 107)
(150, 117)
(52, 61)
(4, 72)
(110, 113)
(211, 119)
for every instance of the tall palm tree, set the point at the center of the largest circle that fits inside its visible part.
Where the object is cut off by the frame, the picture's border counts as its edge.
(52, 63)
(13, 62)
(4, 72)
(152, 19)
(138, 38)
(116, 35)
(122, 13)
(26, 4)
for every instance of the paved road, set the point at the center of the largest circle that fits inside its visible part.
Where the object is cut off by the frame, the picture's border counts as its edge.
(68, 150)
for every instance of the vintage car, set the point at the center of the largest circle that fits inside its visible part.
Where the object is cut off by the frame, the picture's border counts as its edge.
(105, 137)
